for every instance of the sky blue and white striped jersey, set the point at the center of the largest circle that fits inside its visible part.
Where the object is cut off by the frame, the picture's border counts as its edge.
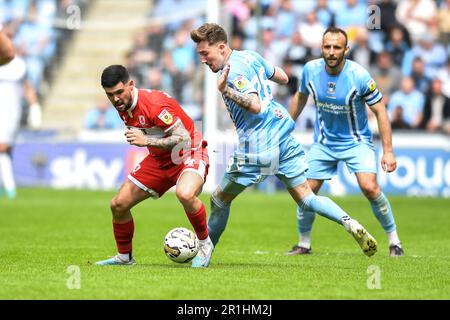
(341, 114)
(262, 132)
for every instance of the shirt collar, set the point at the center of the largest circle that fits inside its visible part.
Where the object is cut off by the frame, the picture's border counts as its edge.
(135, 99)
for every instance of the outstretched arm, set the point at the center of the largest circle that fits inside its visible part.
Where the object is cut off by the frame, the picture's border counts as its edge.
(388, 162)
(249, 102)
(280, 76)
(297, 104)
(7, 51)
(177, 135)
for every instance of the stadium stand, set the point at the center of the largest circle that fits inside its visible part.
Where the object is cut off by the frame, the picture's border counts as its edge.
(67, 43)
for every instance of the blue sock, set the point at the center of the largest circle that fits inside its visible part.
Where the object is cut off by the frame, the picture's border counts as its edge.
(323, 206)
(382, 210)
(305, 220)
(218, 219)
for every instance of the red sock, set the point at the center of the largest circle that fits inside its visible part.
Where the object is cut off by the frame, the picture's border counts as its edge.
(123, 233)
(198, 221)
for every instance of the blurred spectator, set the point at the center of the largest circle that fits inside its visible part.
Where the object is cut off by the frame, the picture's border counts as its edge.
(284, 93)
(444, 21)
(103, 117)
(312, 31)
(236, 41)
(297, 52)
(34, 41)
(436, 114)
(422, 82)
(352, 14)
(286, 19)
(142, 54)
(134, 69)
(157, 79)
(418, 16)
(179, 59)
(386, 75)
(156, 35)
(406, 106)
(272, 49)
(387, 12)
(444, 76)
(324, 14)
(360, 51)
(397, 45)
(432, 53)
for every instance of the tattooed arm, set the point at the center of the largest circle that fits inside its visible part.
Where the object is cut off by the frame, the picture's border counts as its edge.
(177, 135)
(249, 102)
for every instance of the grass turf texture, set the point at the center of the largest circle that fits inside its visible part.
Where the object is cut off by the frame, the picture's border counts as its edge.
(45, 231)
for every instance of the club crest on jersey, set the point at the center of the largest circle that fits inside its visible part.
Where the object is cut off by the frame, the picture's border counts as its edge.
(372, 85)
(278, 113)
(141, 119)
(240, 82)
(165, 117)
(331, 87)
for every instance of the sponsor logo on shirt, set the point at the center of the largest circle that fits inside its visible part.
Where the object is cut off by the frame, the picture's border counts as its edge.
(372, 85)
(165, 117)
(240, 82)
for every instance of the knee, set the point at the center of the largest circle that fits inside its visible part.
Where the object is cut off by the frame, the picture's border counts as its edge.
(371, 190)
(118, 206)
(185, 196)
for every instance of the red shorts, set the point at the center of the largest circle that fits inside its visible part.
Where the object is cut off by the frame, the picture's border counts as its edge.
(157, 176)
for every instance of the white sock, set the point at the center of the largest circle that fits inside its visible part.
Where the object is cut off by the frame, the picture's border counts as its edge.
(208, 239)
(6, 173)
(393, 238)
(124, 256)
(347, 222)
(305, 240)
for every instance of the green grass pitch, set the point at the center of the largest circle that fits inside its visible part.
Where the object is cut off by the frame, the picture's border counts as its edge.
(44, 232)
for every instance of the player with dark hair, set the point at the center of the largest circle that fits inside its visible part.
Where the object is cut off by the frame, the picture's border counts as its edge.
(341, 88)
(266, 146)
(177, 157)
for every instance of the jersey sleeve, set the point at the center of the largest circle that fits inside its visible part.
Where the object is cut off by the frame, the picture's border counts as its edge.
(269, 69)
(369, 90)
(166, 115)
(238, 78)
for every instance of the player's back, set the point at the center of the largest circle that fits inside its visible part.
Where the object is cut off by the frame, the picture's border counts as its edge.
(264, 131)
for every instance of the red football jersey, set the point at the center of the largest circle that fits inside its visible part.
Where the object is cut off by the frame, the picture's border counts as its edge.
(156, 112)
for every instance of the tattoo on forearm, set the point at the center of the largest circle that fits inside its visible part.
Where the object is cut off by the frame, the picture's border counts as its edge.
(244, 100)
(178, 135)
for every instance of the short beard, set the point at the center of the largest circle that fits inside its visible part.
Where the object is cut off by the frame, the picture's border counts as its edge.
(339, 61)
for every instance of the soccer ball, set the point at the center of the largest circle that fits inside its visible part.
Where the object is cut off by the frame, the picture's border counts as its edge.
(181, 245)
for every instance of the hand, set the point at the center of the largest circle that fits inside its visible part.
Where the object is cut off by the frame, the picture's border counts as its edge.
(388, 162)
(136, 138)
(222, 82)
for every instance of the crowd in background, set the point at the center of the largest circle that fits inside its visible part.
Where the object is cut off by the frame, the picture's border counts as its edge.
(39, 33)
(406, 50)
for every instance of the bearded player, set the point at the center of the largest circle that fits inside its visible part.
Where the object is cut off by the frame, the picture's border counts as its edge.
(177, 157)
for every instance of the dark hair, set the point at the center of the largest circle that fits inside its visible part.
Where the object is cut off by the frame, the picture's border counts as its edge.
(210, 32)
(336, 30)
(114, 74)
